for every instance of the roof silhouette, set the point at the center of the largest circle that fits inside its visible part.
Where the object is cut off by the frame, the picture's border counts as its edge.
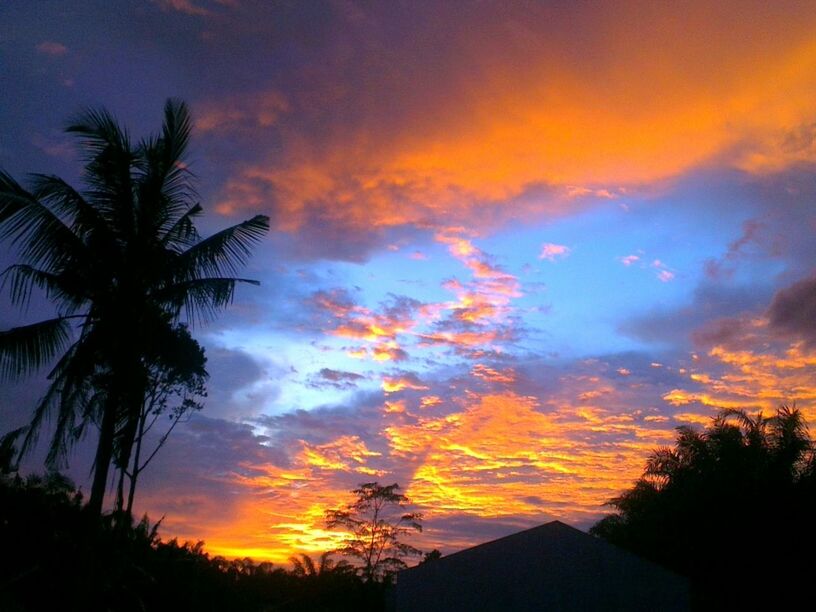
(550, 567)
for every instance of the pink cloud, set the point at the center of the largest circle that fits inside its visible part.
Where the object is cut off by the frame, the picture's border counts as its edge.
(551, 252)
(243, 114)
(52, 48)
(182, 6)
(664, 274)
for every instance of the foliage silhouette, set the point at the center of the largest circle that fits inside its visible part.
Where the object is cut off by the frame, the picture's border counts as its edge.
(375, 523)
(58, 557)
(732, 501)
(123, 263)
(429, 557)
(303, 566)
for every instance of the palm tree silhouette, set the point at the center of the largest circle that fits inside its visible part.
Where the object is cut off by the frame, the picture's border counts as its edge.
(124, 265)
(303, 566)
(736, 496)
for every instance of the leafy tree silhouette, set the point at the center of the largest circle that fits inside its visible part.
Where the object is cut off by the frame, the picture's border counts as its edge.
(430, 557)
(733, 500)
(175, 390)
(123, 263)
(375, 522)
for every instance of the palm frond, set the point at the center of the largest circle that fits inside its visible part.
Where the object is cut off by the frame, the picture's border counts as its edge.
(164, 187)
(42, 236)
(75, 400)
(177, 127)
(68, 202)
(41, 413)
(66, 430)
(298, 569)
(309, 565)
(27, 348)
(110, 163)
(183, 234)
(174, 140)
(201, 298)
(8, 450)
(98, 130)
(21, 279)
(74, 394)
(223, 253)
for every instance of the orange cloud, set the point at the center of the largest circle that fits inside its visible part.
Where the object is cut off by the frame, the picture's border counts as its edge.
(280, 511)
(430, 400)
(476, 319)
(490, 458)
(378, 329)
(392, 385)
(484, 300)
(490, 375)
(346, 453)
(753, 369)
(242, 113)
(645, 93)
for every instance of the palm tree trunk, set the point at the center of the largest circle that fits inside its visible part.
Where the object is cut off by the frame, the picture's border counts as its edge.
(120, 491)
(126, 439)
(104, 453)
(136, 468)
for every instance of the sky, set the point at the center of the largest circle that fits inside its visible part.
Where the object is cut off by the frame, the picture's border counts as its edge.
(513, 245)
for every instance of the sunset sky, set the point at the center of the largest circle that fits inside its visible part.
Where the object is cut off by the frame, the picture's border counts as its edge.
(514, 245)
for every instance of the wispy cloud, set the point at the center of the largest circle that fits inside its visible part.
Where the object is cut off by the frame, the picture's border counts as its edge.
(551, 252)
(52, 48)
(664, 274)
(188, 7)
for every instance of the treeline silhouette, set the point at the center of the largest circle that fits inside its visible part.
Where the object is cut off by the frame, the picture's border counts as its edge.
(56, 555)
(731, 507)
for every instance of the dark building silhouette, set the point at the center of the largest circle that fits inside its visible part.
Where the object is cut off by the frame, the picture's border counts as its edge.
(552, 567)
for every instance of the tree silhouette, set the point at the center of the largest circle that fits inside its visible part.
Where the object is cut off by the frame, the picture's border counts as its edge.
(430, 557)
(735, 499)
(8, 452)
(124, 265)
(303, 566)
(172, 392)
(375, 522)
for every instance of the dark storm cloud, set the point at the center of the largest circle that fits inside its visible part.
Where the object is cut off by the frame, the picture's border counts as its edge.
(359, 416)
(238, 383)
(336, 379)
(710, 302)
(717, 269)
(192, 478)
(793, 311)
